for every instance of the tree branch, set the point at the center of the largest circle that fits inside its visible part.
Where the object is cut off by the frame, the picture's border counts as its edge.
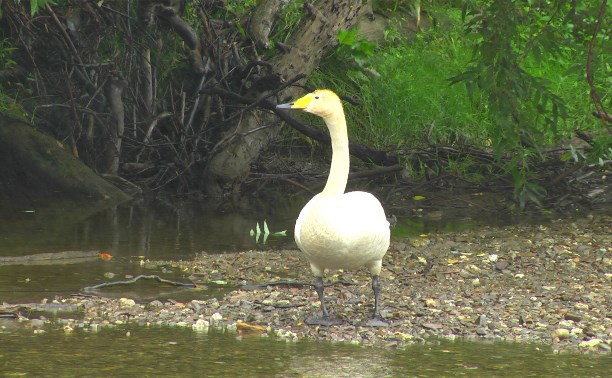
(601, 111)
(134, 280)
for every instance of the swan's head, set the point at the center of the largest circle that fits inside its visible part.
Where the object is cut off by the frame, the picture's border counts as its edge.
(321, 102)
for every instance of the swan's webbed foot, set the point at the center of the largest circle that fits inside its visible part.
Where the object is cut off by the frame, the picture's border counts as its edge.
(375, 322)
(323, 320)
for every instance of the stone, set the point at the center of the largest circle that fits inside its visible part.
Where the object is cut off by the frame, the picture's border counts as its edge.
(572, 316)
(561, 334)
(127, 302)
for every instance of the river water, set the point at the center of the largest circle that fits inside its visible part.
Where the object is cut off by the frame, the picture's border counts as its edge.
(140, 231)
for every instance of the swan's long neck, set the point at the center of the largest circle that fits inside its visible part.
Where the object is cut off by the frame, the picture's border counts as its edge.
(340, 163)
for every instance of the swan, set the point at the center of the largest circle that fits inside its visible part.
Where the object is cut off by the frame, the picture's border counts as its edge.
(338, 230)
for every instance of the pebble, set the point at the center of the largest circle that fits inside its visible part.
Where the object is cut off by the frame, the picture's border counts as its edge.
(127, 302)
(590, 343)
(482, 320)
(605, 347)
(572, 316)
(577, 331)
(461, 296)
(37, 323)
(432, 325)
(155, 304)
(481, 331)
(216, 318)
(561, 333)
(566, 324)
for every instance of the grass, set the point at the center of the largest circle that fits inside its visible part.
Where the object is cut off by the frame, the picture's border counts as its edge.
(412, 91)
(566, 77)
(411, 94)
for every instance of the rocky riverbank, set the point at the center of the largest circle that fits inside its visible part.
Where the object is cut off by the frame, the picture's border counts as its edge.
(549, 283)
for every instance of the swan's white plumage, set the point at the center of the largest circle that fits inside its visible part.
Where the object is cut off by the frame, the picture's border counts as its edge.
(338, 230)
(343, 232)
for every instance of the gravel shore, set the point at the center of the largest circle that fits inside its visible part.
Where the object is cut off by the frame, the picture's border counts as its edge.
(549, 284)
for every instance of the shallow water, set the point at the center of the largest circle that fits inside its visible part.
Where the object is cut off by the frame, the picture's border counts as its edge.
(135, 232)
(183, 352)
(155, 230)
(140, 231)
(130, 233)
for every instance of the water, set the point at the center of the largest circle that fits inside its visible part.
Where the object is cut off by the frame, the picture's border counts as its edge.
(139, 231)
(182, 352)
(155, 230)
(130, 233)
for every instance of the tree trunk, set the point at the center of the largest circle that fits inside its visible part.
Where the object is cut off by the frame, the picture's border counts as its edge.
(116, 125)
(255, 130)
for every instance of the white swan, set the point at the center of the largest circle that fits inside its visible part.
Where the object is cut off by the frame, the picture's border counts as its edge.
(338, 230)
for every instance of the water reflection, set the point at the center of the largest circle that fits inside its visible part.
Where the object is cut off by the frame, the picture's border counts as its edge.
(141, 230)
(132, 233)
(183, 352)
(162, 230)
(156, 230)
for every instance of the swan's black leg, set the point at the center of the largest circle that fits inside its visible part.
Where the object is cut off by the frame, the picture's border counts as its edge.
(376, 289)
(319, 287)
(324, 319)
(376, 320)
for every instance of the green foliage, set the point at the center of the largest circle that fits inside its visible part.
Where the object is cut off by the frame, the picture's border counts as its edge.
(520, 103)
(404, 91)
(6, 51)
(257, 233)
(239, 7)
(8, 104)
(522, 63)
(512, 42)
(233, 10)
(396, 5)
(36, 5)
(287, 21)
(351, 45)
(602, 149)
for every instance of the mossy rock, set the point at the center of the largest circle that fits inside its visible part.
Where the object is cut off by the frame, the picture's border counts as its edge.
(35, 166)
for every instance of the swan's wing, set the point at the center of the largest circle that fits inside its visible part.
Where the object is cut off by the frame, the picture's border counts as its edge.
(298, 223)
(365, 208)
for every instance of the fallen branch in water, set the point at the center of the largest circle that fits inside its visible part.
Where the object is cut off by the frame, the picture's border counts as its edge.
(283, 305)
(291, 283)
(64, 257)
(135, 279)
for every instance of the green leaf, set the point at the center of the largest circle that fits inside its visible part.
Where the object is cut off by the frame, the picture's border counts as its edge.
(347, 37)
(464, 10)
(36, 5)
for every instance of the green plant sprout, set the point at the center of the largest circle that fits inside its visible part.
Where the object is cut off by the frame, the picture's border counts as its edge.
(266, 232)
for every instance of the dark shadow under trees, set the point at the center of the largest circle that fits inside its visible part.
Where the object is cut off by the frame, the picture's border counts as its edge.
(180, 98)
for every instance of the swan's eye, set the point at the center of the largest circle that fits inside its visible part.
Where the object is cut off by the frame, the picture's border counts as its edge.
(316, 97)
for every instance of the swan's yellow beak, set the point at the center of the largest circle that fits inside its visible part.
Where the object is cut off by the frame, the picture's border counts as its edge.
(301, 103)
